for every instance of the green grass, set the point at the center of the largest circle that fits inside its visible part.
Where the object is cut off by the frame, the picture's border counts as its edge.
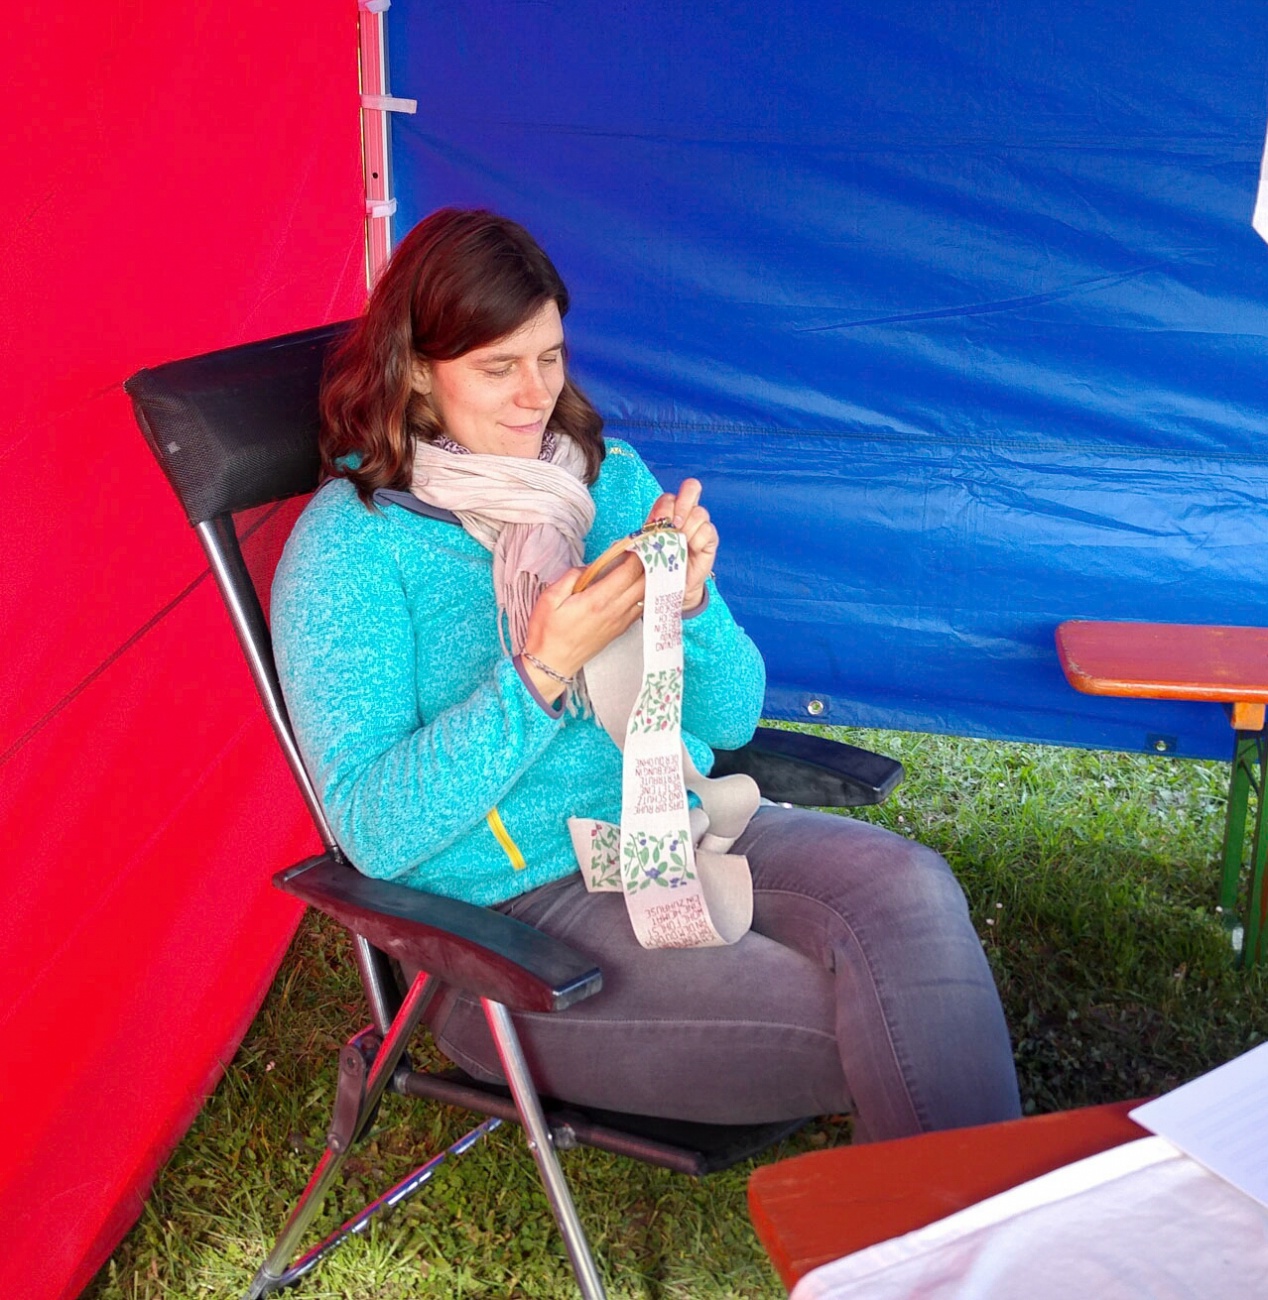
(1092, 879)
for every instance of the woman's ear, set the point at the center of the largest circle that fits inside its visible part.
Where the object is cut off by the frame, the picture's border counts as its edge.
(420, 376)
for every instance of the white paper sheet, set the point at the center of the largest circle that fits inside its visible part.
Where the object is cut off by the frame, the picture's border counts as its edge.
(1138, 1222)
(1218, 1120)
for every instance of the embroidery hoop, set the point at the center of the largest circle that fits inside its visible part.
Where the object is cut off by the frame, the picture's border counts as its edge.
(610, 558)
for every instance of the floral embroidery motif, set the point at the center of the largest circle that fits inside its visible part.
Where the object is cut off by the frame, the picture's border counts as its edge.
(664, 549)
(656, 860)
(659, 706)
(605, 856)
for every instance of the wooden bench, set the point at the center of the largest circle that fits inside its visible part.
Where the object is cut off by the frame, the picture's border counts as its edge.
(1176, 661)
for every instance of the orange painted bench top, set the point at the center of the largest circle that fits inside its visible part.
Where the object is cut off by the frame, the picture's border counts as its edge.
(1170, 661)
(814, 1208)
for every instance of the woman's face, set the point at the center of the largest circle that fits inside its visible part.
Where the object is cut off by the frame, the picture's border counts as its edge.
(496, 400)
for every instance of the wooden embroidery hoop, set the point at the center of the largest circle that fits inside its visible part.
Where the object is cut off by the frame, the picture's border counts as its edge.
(610, 558)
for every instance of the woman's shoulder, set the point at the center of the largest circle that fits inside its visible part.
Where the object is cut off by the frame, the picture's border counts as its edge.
(622, 468)
(336, 533)
(623, 493)
(621, 452)
(333, 519)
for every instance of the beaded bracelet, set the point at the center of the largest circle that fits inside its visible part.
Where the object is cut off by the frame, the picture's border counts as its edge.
(547, 669)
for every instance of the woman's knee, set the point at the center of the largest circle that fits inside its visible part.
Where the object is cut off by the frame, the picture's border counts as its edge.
(871, 878)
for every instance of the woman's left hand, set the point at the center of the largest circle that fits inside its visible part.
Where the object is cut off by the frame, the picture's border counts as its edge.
(692, 520)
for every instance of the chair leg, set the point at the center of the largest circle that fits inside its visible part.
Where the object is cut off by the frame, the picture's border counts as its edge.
(390, 1199)
(273, 1273)
(539, 1143)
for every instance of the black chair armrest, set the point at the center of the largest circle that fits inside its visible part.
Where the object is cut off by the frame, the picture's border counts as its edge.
(472, 948)
(791, 767)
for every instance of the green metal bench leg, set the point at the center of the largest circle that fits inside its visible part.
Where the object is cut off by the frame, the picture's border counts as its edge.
(1244, 752)
(1255, 929)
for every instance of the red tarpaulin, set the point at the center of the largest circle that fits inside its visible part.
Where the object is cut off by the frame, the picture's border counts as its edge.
(179, 177)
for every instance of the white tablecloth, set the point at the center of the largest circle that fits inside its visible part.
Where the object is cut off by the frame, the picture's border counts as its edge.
(1139, 1222)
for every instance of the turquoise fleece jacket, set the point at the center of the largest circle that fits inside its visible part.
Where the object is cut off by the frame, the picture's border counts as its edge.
(415, 724)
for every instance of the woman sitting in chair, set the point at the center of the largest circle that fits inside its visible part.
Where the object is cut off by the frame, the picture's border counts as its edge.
(432, 644)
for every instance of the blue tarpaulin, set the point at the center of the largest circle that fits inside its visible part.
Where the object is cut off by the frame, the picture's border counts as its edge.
(956, 309)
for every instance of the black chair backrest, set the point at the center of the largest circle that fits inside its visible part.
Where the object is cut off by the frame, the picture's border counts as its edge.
(235, 431)
(237, 428)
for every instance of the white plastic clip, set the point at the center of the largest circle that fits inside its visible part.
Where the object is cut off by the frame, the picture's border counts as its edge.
(374, 6)
(389, 104)
(380, 207)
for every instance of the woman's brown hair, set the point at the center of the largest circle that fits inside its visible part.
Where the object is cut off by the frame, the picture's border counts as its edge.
(459, 280)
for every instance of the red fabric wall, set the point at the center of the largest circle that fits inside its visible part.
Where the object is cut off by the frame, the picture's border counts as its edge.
(180, 175)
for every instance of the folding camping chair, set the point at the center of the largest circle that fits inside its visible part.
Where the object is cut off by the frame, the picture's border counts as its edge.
(235, 431)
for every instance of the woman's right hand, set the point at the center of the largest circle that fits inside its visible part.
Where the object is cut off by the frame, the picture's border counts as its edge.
(567, 629)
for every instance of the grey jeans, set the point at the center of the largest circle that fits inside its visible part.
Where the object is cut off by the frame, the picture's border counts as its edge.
(861, 987)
